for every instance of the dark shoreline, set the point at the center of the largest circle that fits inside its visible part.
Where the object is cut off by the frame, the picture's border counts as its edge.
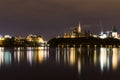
(84, 42)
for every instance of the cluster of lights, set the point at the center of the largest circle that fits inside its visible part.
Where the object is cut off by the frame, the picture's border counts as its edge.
(5, 36)
(30, 37)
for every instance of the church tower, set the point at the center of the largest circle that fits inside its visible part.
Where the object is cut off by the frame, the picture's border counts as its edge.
(114, 32)
(79, 28)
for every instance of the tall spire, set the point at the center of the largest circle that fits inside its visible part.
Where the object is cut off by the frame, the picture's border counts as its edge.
(101, 26)
(114, 29)
(79, 28)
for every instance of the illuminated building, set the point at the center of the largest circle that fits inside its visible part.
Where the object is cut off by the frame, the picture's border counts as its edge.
(103, 35)
(7, 36)
(76, 32)
(114, 32)
(79, 28)
(19, 39)
(31, 37)
(35, 38)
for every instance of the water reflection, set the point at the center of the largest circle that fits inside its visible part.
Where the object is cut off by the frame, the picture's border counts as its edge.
(108, 57)
(17, 55)
(79, 65)
(30, 54)
(102, 58)
(69, 56)
(72, 56)
(115, 58)
(95, 57)
(43, 55)
(1, 56)
(5, 57)
(38, 54)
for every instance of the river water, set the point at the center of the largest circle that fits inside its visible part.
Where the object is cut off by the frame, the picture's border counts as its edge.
(44, 63)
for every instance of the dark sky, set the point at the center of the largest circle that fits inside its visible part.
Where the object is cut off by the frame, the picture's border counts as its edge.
(50, 18)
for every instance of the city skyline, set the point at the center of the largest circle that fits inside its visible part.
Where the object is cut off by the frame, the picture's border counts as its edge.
(51, 18)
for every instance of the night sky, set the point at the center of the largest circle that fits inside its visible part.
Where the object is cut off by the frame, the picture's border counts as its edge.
(50, 18)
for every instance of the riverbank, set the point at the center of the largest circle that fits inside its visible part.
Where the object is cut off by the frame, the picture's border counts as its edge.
(84, 42)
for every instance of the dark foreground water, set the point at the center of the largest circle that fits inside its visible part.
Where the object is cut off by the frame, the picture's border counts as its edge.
(42, 63)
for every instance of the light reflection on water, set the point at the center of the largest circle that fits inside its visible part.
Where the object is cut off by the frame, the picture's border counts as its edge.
(78, 58)
(5, 57)
(9, 56)
(102, 58)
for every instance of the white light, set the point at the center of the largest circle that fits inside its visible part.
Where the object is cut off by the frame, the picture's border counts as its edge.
(8, 36)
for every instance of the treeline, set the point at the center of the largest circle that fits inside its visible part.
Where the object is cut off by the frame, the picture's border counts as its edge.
(11, 42)
(84, 41)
